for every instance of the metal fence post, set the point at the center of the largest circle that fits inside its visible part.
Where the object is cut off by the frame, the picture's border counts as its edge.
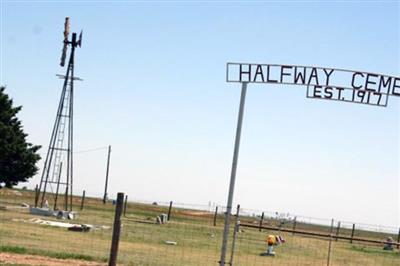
(116, 230)
(235, 232)
(215, 215)
(294, 224)
(261, 221)
(125, 205)
(169, 210)
(398, 239)
(330, 244)
(83, 199)
(352, 233)
(337, 230)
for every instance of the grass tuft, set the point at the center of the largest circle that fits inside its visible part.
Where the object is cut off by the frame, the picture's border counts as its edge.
(13, 249)
(374, 251)
(65, 255)
(56, 255)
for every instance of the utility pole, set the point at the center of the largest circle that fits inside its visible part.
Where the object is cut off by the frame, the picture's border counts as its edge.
(108, 168)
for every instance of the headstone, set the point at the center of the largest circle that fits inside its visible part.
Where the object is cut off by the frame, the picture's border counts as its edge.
(389, 244)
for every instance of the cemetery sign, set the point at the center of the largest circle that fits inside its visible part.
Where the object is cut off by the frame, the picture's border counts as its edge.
(322, 83)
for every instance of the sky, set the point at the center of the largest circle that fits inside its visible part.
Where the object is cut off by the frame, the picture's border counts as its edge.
(154, 89)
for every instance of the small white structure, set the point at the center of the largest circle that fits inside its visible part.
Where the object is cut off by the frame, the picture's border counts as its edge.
(47, 212)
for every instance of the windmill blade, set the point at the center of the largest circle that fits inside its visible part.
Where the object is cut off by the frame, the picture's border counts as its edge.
(80, 39)
(63, 55)
(66, 29)
(64, 50)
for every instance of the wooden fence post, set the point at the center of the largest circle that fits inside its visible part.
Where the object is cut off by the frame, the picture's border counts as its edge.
(108, 168)
(215, 215)
(352, 233)
(36, 195)
(398, 239)
(83, 199)
(116, 230)
(261, 221)
(169, 211)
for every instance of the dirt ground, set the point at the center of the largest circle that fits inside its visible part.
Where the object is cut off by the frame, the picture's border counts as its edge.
(22, 259)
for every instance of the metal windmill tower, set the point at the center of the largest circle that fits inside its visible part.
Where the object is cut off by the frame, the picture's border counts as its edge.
(57, 175)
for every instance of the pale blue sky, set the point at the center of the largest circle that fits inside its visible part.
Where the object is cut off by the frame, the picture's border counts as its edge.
(154, 88)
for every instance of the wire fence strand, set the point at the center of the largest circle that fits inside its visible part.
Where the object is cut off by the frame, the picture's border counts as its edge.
(192, 236)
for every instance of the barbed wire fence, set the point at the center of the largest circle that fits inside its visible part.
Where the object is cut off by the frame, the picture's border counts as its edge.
(311, 241)
(173, 233)
(308, 241)
(169, 233)
(86, 237)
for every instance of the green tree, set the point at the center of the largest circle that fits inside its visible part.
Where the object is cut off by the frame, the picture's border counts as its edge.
(17, 157)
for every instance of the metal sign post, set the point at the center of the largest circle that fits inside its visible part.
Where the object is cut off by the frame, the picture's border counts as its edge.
(322, 83)
(233, 174)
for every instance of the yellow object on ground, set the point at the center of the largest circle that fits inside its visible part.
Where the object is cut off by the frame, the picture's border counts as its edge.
(271, 240)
